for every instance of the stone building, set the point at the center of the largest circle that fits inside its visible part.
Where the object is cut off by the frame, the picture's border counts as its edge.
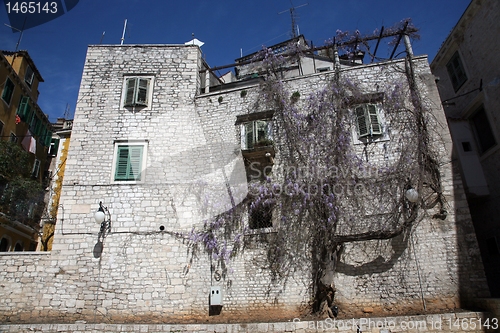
(467, 68)
(153, 138)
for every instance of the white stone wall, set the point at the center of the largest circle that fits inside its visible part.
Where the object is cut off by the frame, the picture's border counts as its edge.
(144, 273)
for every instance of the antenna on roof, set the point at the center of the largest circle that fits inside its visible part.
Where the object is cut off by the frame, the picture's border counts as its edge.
(102, 37)
(293, 16)
(67, 111)
(123, 34)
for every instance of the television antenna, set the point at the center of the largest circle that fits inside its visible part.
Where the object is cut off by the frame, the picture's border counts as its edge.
(19, 30)
(293, 16)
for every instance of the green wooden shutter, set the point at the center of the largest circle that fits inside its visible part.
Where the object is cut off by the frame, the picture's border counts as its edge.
(8, 90)
(376, 128)
(130, 92)
(129, 163)
(54, 147)
(142, 92)
(24, 108)
(135, 162)
(361, 122)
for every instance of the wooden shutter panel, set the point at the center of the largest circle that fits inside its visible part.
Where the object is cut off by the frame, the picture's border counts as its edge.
(121, 163)
(376, 128)
(23, 110)
(361, 122)
(135, 162)
(129, 163)
(142, 92)
(130, 92)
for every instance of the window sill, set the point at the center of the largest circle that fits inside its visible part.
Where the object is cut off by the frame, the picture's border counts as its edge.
(260, 231)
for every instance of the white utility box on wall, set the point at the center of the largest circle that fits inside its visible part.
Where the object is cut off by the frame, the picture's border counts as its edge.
(215, 296)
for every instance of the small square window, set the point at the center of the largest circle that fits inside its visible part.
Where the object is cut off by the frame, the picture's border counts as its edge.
(8, 90)
(368, 120)
(129, 162)
(29, 76)
(456, 71)
(137, 91)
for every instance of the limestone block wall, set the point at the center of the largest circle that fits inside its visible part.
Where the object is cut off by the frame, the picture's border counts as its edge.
(146, 270)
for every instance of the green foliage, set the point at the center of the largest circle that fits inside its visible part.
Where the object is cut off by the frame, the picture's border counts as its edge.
(14, 161)
(21, 198)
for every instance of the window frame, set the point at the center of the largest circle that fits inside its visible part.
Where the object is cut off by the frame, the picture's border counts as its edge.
(370, 120)
(9, 92)
(479, 133)
(255, 132)
(134, 104)
(456, 71)
(29, 80)
(116, 159)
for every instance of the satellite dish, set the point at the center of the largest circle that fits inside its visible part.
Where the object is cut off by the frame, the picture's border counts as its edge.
(194, 41)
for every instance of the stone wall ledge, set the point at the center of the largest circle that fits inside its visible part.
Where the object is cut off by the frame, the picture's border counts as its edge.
(445, 322)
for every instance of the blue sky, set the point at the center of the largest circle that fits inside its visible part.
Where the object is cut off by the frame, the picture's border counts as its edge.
(58, 47)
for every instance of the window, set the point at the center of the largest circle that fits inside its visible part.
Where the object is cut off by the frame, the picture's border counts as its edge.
(19, 247)
(28, 76)
(8, 90)
(482, 130)
(368, 120)
(260, 216)
(24, 109)
(1, 128)
(456, 71)
(256, 133)
(54, 147)
(137, 91)
(4, 245)
(129, 162)
(13, 138)
(36, 169)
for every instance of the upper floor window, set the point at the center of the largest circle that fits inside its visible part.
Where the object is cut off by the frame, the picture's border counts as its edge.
(129, 162)
(256, 133)
(368, 120)
(24, 109)
(8, 90)
(137, 91)
(29, 76)
(482, 130)
(456, 71)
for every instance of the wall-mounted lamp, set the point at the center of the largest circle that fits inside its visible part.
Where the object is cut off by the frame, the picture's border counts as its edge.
(411, 194)
(103, 217)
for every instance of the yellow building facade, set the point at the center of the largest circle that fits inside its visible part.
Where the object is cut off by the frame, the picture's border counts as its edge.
(22, 122)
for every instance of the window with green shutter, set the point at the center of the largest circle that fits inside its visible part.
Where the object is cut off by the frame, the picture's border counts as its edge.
(137, 91)
(8, 90)
(24, 109)
(129, 162)
(368, 120)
